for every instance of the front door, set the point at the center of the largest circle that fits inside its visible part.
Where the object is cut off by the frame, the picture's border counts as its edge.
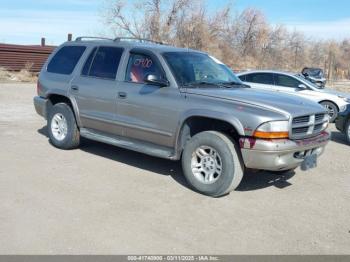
(287, 84)
(146, 111)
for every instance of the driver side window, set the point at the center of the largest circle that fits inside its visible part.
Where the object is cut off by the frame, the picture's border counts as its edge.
(140, 66)
(286, 81)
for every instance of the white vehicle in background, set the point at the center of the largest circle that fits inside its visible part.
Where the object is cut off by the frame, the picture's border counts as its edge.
(297, 84)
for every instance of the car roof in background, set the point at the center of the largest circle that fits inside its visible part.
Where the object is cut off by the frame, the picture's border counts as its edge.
(267, 71)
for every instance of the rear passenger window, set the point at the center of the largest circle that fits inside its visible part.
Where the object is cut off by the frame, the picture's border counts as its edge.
(65, 60)
(88, 62)
(105, 63)
(260, 78)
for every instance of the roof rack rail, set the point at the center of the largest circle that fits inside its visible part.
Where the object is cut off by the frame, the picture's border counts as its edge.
(142, 40)
(81, 38)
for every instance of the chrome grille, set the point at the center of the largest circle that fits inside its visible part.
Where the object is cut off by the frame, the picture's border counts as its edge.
(300, 130)
(319, 117)
(301, 119)
(318, 127)
(308, 126)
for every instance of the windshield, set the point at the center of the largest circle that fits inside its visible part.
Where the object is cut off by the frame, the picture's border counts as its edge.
(190, 68)
(303, 78)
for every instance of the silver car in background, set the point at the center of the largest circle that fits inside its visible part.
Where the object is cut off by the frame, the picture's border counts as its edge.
(297, 84)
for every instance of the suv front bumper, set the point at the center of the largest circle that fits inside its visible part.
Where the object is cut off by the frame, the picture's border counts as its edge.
(40, 105)
(280, 154)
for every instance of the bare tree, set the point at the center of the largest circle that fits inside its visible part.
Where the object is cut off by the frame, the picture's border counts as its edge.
(240, 39)
(154, 19)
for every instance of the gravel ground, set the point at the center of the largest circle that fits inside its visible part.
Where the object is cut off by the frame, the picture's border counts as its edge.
(101, 199)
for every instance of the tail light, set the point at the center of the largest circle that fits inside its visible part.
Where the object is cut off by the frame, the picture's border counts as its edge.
(38, 88)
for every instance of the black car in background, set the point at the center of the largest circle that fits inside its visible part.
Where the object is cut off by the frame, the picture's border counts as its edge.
(315, 75)
(343, 123)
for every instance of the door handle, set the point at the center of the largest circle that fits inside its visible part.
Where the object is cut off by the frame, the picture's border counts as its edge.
(75, 88)
(122, 95)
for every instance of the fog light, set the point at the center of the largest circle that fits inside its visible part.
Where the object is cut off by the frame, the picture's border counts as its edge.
(342, 108)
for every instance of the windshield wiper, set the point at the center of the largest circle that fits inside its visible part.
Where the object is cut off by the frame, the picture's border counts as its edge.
(218, 84)
(201, 84)
(234, 83)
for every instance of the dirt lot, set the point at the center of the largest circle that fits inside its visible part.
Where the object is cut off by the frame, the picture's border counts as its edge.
(104, 200)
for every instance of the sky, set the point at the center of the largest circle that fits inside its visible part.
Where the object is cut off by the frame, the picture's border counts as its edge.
(26, 21)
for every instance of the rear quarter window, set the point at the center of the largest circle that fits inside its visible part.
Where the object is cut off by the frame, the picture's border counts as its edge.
(65, 60)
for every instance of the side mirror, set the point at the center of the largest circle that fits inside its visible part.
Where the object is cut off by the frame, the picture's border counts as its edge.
(302, 87)
(155, 80)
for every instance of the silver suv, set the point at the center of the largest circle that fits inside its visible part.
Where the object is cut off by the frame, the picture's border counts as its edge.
(176, 104)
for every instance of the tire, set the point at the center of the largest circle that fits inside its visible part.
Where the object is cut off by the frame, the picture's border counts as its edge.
(331, 107)
(64, 136)
(227, 159)
(347, 130)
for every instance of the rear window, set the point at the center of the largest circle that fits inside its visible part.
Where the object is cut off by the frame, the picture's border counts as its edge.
(65, 60)
(105, 63)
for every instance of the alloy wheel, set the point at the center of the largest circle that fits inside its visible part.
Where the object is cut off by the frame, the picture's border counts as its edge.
(59, 127)
(206, 165)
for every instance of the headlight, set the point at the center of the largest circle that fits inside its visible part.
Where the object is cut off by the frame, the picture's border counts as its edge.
(326, 124)
(346, 99)
(273, 130)
(328, 118)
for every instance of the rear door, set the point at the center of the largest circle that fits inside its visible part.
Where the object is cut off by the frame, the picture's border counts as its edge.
(95, 89)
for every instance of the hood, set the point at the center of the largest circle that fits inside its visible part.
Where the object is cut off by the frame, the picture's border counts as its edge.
(274, 101)
(317, 78)
(335, 92)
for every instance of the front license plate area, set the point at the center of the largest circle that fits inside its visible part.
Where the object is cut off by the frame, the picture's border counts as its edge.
(309, 162)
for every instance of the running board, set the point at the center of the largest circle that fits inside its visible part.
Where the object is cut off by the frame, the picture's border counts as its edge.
(127, 143)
